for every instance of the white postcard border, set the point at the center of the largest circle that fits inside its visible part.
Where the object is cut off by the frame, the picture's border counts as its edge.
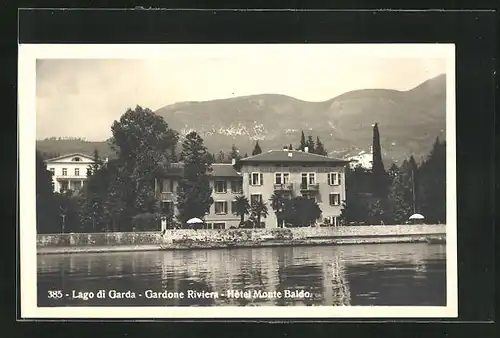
(29, 53)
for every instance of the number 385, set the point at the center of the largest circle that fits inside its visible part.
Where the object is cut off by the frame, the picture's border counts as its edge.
(55, 294)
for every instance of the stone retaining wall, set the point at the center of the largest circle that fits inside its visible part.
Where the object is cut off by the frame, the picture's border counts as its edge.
(233, 236)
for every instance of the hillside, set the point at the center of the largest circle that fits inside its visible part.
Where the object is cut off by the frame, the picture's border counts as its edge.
(409, 121)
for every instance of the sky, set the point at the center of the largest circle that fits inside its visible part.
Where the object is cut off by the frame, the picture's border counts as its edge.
(82, 97)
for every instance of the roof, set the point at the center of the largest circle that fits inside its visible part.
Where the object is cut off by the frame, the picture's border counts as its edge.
(224, 170)
(218, 170)
(70, 155)
(291, 156)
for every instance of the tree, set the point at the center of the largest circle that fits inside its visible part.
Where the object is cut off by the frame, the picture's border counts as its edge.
(432, 184)
(320, 148)
(380, 180)
(235, 153)
(310, 144)
(290, 147)
(259, 210)
(358, 187)
(302, 145)
(68, 212)
(46, 215)
(221, 157)
(399, 206)
(143, 142)
(97, 163)
(414, 184)
(301, 211)
(278, 204)
(242, 207)
(194, 198)
(246, 155)
(256, 149)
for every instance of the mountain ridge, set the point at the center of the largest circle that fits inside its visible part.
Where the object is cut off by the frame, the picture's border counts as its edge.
(409, 121)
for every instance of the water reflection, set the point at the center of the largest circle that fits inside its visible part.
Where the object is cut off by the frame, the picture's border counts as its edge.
(386, 274)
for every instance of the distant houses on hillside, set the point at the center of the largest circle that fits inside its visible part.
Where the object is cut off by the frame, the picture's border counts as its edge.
(362, 159)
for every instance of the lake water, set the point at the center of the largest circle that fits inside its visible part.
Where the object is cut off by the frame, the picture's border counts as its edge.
(376, 274)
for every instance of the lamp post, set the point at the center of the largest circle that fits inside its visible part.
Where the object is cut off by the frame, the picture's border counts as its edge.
(63, 215)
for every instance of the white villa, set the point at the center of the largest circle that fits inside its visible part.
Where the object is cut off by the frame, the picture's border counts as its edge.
(69, 172)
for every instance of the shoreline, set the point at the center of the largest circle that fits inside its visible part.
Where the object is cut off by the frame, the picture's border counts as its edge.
(435, 238)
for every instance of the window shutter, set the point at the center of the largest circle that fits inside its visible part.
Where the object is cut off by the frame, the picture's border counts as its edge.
(261, 179)
(339, 178)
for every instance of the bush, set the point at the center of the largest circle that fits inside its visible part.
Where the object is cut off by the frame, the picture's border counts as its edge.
(146, 221)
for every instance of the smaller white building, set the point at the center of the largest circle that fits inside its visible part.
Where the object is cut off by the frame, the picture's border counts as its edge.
(362, 159)
(69, 172)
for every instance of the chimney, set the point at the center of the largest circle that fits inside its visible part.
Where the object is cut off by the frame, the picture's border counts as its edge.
(233, 161)
(306, 149)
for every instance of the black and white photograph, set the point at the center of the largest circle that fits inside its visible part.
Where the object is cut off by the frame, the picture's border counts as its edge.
(237, 181)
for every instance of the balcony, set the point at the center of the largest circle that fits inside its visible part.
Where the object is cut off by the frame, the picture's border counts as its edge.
(71, 177)
(309, 187)
(166, 196)
(283, 187)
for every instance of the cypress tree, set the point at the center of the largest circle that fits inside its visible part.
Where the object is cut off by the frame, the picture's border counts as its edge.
(379, 176)
(320, 148)
(256, 149)
(310, 144)
(290, 147)
(303, 143)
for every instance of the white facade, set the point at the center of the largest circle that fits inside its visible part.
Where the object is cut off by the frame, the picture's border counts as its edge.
(69, 172)
(365, 160)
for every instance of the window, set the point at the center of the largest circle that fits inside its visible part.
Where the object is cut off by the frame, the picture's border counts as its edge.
(77, 159)
(312, 178)
(333, 178)
(220, 186)
(221, 208)
(64, 171)
(236, 187)
(334, 199)
(282, 178)
(256, 179)
(286, 178)
(233, 207)
(254, 198)
(77, 172)
(219, 225)
(277, 178)
(166, 185)
(307, 179)
(167, 207)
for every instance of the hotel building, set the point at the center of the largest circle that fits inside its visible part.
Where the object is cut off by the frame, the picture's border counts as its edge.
(289, 172)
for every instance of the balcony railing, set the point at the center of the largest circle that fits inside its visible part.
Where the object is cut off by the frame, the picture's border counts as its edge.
(71, 177)
(309, 187)
(283, 187)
